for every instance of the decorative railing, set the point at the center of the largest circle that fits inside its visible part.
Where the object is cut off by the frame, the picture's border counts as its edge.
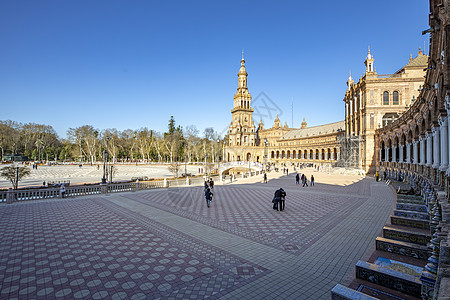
(11, 195)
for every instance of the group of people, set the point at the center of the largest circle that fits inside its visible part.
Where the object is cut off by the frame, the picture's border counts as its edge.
(209, 191)
(304, 179)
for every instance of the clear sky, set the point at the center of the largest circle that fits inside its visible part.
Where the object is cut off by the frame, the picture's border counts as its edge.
(132, 64)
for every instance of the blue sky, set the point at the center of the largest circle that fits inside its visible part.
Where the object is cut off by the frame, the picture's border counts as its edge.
(133, 64)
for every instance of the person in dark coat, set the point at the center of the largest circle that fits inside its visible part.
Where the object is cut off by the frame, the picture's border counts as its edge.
(280, 197)
(297, 179)
(208, 196)
(312, 180)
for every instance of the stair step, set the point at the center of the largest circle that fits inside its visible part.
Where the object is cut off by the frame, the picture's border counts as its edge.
(405, 235)
(413, 207)
(408, 222)
(395, 280)
(402, 248)
(340, 292)
(411, 214)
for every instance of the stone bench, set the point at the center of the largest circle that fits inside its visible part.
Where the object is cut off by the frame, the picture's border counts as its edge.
(411, 214)
(418, 202)
(413, 207)
(402, 248)
(406, 235)
(411, 197)
(408, 222)
(398, 281)
(340, 292)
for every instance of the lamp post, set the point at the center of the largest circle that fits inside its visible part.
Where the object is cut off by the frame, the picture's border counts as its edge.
(265, 151)
(218, 156)
(105, 163)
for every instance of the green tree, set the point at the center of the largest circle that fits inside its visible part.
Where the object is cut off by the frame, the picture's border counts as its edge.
(14, 174)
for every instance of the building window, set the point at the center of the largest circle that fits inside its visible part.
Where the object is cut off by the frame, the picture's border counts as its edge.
(395, 98)
(372, 121)
(386, 98)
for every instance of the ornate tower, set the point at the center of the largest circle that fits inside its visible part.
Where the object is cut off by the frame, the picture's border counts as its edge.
(369, 63)
(242, 128)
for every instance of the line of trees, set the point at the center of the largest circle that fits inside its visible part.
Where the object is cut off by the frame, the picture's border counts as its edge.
(88, 144)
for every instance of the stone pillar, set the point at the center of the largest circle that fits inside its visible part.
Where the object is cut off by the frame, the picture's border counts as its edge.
(307, 154)
(386, 153)
(429, 136)
(188, 182)
(408, 153)
(326, 155)
(436, 147)
(422, 150)
(394, 154)
(400, 153)
(320, 155)
(10, 196)
(444, 143)
(415, 152)
(338, 155)
(379, 157)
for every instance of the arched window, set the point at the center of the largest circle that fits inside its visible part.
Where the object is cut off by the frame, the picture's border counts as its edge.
(395, 98)
(386, 98)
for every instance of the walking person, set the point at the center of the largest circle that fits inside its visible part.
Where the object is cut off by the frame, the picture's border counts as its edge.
(208, 196)
(297, 179)
(377, 176)
(211, 184)
(312, 180)
(304, 180)
(265, 177)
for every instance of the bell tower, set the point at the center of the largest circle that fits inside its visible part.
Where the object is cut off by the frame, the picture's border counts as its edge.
(242, 128)
(369, 63)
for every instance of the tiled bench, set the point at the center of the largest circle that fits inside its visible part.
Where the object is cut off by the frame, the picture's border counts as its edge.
(391, 279)
(409, 236)
(402, 248)
(340, 292)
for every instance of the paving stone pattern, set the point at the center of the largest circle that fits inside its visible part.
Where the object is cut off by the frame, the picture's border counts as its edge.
(166, 244)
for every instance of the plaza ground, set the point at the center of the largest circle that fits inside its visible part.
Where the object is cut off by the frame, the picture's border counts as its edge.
(166, 243)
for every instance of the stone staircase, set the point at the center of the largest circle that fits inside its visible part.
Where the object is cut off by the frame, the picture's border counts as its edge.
(403, 262)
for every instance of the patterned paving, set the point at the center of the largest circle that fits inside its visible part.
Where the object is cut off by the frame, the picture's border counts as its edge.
(246, 211)
(166, 244)
(93, 249)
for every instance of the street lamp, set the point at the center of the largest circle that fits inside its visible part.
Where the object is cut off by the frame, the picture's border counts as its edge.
(218, 156)
(265, 151)
(105, 163)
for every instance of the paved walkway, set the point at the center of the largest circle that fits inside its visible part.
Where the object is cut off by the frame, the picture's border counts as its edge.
(166, 244)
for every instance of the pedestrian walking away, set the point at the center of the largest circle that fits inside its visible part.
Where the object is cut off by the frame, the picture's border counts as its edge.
(377, 176)
(208, 196)
(265, 178)
(297, 179)
(312, 180)
(211, 184)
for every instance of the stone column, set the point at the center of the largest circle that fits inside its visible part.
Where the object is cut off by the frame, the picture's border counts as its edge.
(379, 156)
(394, 154)
(386, 154)
(436, 147)
(444, 143)
(415, 152)
(429, 136)
(307, 154)
(326, 155)
(408, 153)
(400, 153)
(422, 150)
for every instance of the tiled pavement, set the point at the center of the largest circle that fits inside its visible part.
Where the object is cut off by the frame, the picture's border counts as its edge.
(167, 244)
